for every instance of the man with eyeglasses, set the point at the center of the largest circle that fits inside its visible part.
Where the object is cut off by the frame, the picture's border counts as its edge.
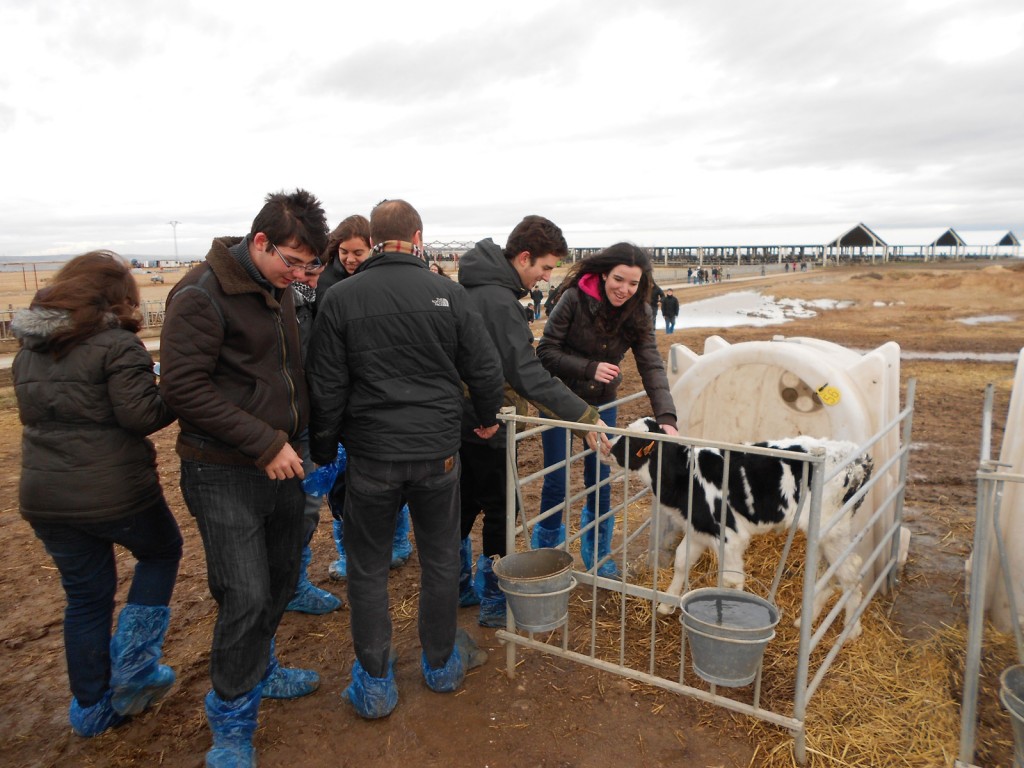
(232, 372)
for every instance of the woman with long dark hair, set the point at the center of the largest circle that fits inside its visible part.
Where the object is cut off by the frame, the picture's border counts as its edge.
(603, 311)
(87, 398)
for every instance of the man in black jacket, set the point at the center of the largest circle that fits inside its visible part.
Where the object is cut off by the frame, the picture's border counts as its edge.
(496, 280)
(391, 347)
(669, 310)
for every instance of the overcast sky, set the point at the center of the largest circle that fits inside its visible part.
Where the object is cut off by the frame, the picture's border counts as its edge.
(646, 121)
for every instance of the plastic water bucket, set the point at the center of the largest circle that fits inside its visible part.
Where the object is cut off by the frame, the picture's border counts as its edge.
(1011, 695)
(728, 630)
(537, 586)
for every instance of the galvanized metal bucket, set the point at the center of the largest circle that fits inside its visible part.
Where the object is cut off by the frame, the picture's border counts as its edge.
(537, 586)
(728, 630)
(1011, 695)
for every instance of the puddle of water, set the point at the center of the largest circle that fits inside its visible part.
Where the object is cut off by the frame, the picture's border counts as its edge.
(982, 319)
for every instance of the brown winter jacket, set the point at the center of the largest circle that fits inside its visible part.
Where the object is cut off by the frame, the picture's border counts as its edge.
(84, 453)
(571, 348)
(231, 366)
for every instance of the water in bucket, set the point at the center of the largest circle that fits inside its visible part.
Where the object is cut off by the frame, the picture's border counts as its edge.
(730, 612)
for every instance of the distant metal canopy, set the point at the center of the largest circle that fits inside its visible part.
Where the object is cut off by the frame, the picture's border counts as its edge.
(861, 236)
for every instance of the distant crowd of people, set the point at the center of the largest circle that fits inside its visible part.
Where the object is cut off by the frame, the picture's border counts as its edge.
(291, 349)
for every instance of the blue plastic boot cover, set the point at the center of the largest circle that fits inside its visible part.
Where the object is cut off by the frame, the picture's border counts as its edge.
(492, 599)
(309, 598)
(609, 568)
(547, 537)
(338, 570)
(287, 683)
(137, 678)
(468, 594)
(372, 697)
(401, 547)
(94, 720)
(478, 577)
(320, 481)
(447, 678)
(232, 723)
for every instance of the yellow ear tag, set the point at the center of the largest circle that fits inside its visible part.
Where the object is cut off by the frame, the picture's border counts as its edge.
(645, 450)
(829, 395)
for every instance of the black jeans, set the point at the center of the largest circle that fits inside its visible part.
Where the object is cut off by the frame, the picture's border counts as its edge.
(483, 490)
(373, 497)
(252, 529)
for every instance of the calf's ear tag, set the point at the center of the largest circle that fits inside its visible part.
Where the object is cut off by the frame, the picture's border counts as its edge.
(646, 450)
(828, 394)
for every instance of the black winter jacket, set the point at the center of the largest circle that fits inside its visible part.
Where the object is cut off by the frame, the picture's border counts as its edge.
(571, 348)
(494, 290)
(231, 366)
(391, 347)
(84, 453)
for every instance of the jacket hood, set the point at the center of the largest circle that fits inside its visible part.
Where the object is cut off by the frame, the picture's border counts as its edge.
(485, 264)
(33, 327)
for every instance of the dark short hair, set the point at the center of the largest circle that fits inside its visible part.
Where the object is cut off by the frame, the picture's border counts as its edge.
(538, 236)
(394, 220)
(353, 226)
(296, 220)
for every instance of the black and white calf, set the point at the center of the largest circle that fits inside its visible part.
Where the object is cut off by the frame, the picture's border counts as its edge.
(764, 494)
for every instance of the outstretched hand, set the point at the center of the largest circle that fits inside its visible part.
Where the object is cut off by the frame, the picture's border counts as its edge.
(599, 440)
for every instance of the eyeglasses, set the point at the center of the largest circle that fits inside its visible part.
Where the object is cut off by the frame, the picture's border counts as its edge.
(309, 267)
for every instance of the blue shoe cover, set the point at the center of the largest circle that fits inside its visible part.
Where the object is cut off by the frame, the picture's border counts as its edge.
(232, 724)
(338, 570)
(287, 683)
(372, 697)
(137, 679)
(468, 594)
(447, 678)
(492, 599)
(309, 598)
(606, 529)
(483, 563)
(547, 537)
(401, 547)
(94, 720)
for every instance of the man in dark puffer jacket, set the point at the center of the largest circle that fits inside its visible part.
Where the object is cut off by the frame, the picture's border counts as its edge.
(391, 347)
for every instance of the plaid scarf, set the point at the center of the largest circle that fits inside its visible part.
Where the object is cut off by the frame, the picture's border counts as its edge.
(399, 246)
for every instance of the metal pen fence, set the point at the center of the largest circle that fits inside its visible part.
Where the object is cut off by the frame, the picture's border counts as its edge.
(993, 477)
(662, 646)
(152, 317)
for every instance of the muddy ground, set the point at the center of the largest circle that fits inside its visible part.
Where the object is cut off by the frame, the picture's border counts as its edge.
(552, 713)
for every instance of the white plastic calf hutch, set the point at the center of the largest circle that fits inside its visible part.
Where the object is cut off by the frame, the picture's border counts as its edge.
(730, 395)
(767, 390)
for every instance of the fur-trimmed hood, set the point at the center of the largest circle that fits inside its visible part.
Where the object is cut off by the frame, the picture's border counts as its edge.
(34, 326)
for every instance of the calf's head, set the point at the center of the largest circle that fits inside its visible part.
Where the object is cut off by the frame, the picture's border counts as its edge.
(640, 450)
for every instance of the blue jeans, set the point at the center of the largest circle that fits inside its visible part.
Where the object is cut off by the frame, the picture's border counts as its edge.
(252, 530)
(554, 491)
(670, 324)
(84, 556)
(373, 497)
